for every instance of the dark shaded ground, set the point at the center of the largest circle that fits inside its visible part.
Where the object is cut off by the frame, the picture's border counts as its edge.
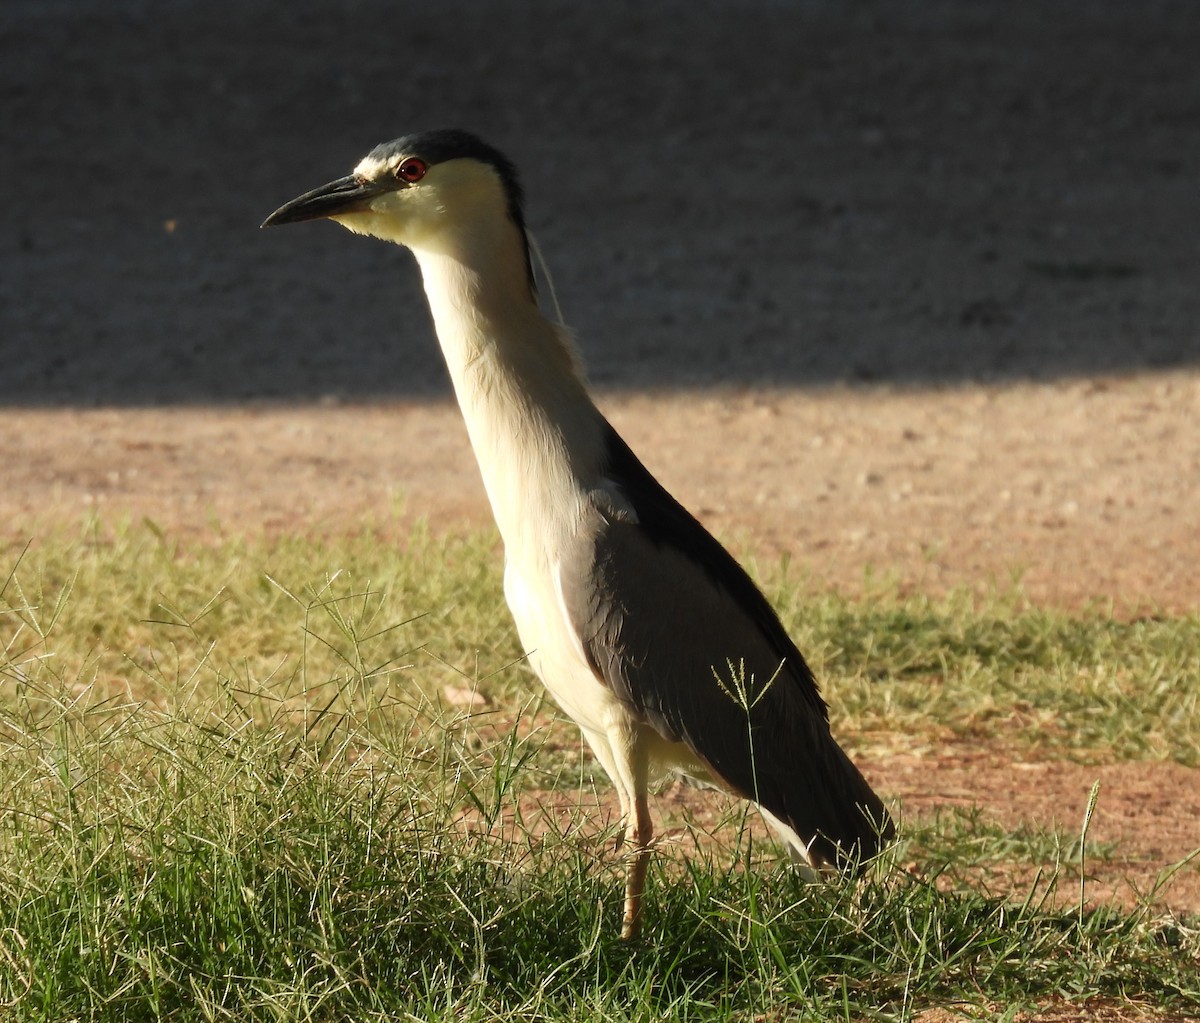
(744, 192)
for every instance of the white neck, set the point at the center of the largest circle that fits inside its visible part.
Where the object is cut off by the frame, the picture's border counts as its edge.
(535, 432)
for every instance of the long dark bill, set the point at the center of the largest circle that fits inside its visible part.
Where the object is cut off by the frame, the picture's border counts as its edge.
(346, 195)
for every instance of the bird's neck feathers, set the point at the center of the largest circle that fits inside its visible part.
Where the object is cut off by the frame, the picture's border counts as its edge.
(516, 375)
(485, 310)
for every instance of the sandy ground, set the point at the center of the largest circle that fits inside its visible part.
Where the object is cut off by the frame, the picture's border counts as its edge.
(907, 287)
(1087, 492)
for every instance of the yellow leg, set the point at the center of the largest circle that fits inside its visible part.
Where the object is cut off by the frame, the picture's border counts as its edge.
(638, 833)
(622, 754)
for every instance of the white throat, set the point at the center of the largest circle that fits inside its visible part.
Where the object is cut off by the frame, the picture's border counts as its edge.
(536, 434)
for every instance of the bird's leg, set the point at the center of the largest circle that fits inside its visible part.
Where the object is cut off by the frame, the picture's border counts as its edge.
(622, 753)
(638, 832)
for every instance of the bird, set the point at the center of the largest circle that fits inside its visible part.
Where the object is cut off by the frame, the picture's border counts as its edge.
(638, 622)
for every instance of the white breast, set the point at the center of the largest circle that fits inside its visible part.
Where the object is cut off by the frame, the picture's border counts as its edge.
(554, 650)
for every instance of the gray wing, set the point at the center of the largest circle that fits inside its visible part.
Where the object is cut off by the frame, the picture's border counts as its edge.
(679, 632)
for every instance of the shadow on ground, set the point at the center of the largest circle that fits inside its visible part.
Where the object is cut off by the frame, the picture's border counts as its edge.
(749, 192)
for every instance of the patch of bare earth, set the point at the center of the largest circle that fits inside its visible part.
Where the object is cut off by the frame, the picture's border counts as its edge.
(1089, 491)
(1145, 821)
(1090, 1010)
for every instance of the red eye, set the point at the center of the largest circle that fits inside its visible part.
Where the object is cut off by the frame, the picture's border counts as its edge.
(411, 170)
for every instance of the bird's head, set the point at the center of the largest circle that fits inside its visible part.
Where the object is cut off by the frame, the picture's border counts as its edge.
(427, 191)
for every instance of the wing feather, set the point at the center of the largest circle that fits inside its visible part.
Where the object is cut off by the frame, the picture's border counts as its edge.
(680, 632)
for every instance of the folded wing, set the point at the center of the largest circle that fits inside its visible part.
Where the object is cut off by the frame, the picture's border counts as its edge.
(679, 632)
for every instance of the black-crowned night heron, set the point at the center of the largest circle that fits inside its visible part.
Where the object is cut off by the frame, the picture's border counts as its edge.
(640, 624)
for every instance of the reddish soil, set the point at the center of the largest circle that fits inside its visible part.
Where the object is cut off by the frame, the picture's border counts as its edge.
(1086, 491)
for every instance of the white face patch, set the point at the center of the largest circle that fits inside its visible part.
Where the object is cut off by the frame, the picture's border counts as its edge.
(455, 204)
(371, 168)
(391, 203)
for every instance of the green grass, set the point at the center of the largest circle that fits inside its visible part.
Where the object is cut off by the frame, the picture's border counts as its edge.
(230, 789)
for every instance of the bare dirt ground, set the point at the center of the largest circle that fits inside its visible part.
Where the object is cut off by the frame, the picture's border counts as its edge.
(1086, 491)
